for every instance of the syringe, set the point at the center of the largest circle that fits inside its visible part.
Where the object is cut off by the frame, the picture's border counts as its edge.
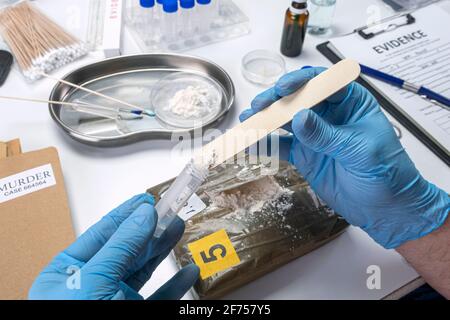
(184, 186)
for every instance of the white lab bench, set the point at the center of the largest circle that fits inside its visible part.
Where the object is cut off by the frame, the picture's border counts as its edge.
(98, 179)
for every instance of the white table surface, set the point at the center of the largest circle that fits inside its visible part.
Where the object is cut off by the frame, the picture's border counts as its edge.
(97, 179)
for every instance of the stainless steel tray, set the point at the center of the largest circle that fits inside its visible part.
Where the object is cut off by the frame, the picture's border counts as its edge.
(130, 78)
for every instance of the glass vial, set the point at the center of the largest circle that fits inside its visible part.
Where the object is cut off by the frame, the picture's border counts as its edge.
(216, 16)
(294, 31)
(148, 19)
(322, 12)
(170, 20)
(159, 9)
(203, 16)
(187, 18)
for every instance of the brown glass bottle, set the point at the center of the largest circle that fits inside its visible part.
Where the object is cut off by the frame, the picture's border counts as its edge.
(294, 31)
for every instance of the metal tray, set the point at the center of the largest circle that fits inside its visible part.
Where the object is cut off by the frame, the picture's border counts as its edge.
(130, 78)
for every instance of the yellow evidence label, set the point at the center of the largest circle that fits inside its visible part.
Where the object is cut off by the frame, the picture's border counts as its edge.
(213, 253)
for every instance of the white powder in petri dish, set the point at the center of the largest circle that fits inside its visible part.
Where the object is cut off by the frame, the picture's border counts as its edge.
(191, 102)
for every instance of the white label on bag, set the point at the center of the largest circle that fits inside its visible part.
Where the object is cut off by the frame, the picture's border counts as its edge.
(26, 182)
(193, 206)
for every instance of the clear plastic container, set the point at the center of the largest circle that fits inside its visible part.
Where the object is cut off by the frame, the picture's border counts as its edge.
(267, 233)
(148, 19)
(179, 192)
(159, 11)
(263, 67)
(187, 18)
(203, 9)
(186, 100)
(170, 21)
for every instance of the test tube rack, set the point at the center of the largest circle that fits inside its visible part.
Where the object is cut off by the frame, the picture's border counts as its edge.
(227, 21)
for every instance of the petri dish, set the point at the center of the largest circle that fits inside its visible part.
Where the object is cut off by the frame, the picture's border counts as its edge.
(186, 100)
(263, 67)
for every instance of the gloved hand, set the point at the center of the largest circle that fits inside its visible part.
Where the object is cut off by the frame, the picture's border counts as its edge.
(349, 153)
(115, 258)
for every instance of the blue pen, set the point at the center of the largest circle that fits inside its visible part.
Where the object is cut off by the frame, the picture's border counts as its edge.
(420, 90)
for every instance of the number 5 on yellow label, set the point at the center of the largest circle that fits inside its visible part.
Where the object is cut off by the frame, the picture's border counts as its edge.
(213, 253)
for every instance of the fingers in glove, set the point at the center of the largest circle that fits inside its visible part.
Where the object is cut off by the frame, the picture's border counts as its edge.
(160, 250)
(291, 82)
(177, 287)
(125, 245)
(321, 137)
(90, 242)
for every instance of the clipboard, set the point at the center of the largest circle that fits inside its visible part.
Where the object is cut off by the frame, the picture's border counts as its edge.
(324, 48)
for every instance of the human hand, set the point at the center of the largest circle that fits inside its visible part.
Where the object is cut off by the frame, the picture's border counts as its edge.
(115, 258)
(349, 153)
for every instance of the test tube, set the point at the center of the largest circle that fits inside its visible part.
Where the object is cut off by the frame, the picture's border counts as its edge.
(187, 18)
(184, 186)
(170, 20)
(159, 9)
(215, 6)
(148, 7)
(203, 16)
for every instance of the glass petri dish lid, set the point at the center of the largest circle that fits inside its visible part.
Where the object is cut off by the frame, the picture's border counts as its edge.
(263, 67)
(186, 100)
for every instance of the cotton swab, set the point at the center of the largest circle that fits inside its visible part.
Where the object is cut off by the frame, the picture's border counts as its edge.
(37, 43)
(94, 92)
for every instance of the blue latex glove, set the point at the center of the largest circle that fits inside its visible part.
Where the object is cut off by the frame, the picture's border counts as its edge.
(115, 258)
(349, 153)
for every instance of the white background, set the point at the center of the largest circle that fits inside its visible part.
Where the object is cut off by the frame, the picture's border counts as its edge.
(97, 179)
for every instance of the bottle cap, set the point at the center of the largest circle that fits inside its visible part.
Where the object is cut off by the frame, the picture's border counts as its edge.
(187, 4)
(298, 6)
(147, 3)
(203, 1)
(170, 6)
